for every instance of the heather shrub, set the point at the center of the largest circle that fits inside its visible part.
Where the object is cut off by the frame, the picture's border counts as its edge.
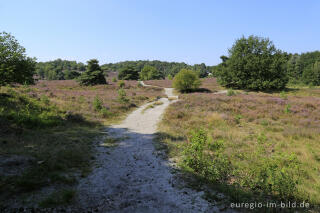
(186, 81)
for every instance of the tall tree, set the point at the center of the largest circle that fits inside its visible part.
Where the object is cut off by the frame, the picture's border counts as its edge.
(93, 75)
(15, 66)
(254, 63)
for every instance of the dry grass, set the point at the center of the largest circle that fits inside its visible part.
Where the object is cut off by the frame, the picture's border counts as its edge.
(71, 97)
(282, 122)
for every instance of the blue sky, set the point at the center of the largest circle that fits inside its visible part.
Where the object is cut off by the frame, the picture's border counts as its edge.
(192, 31)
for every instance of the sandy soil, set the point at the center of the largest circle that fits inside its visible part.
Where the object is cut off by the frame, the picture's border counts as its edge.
(129, 177)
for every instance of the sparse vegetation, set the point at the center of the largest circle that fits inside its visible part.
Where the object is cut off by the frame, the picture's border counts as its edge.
(263, 142)
(50, 127)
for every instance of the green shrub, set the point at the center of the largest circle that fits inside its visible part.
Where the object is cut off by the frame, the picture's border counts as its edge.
(254, 63)
(105, 112)
(45, 99)
(122, 96)
(114, 79)
(170, 77)
(97, 103)
(283, 95)
(121, 84)
(230, 92)
(213, 165)
(139, 84)
(287, 109)
(186, 81)
(278, 174)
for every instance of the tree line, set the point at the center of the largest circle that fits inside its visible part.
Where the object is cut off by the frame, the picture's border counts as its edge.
(59, 69)
(163, 67)
(252, 63)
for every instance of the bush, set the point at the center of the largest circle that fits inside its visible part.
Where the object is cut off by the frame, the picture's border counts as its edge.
(213, 165)
(93, 75)
(254, 63)
(114, 79)
(121, 84)
(230, 92)
(122, 96)
(97, 104)
(277, 174)
(186, 81)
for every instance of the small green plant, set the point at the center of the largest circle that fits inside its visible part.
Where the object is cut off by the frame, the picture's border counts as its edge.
(283, 95)
(121, 84)
(139, 84)
(213, 166)
(45, 99)
(230, 92)
(97, 103)
(237, 118)
(114, 79)
(122, 96)
(287, 109)
(170, 77)
(105, 112)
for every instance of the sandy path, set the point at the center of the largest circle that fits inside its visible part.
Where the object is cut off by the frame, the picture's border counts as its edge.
(131, 178)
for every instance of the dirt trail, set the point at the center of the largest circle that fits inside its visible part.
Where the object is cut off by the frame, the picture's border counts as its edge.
(131, 178)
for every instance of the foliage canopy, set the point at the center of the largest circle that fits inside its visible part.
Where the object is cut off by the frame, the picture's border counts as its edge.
(129, 73)
(254, 63)
(15, 66)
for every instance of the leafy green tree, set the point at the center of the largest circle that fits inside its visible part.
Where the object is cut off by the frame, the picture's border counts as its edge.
(15, 66)
(254, 63)
(311, 74)
(186, 81)
(150, 73)
(129, 73)
(93, 75)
